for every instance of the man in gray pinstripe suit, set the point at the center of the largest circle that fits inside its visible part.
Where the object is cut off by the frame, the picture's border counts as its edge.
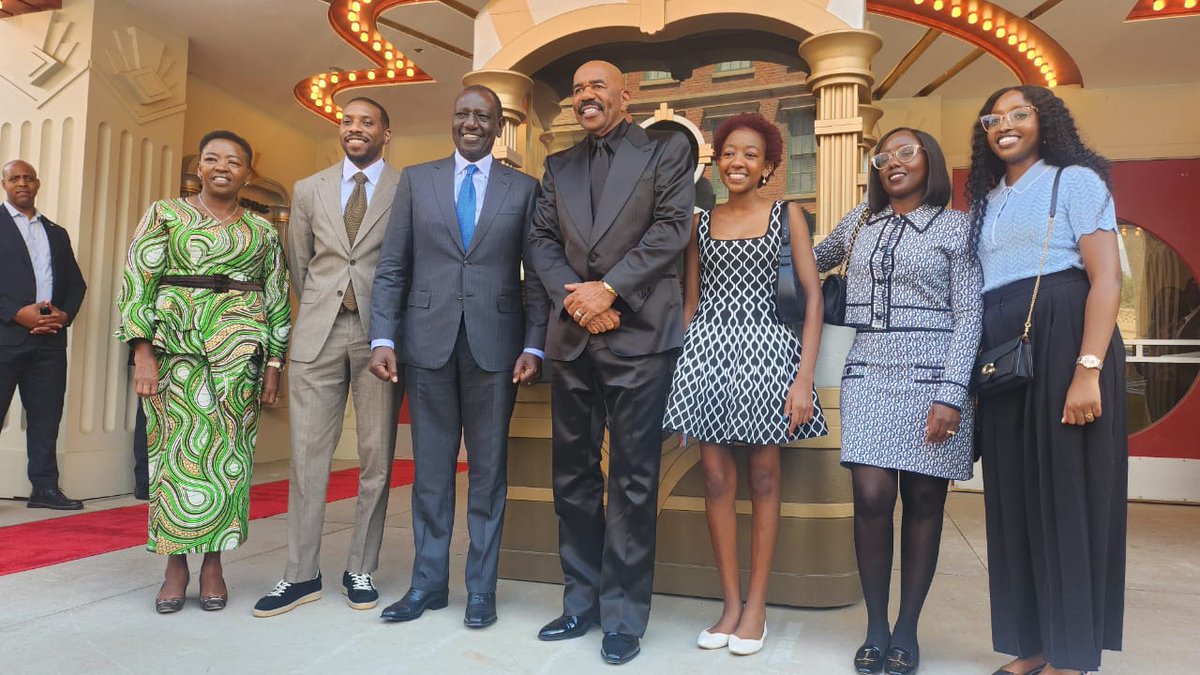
(448, 297)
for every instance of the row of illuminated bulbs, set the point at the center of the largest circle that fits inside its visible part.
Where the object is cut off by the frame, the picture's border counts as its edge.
(321, 82)
(1160, 5)
(1003, 32)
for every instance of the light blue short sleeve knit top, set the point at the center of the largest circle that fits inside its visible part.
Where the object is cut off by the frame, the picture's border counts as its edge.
(1014, 225)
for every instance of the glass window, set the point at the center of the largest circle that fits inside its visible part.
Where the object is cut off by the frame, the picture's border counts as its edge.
(1159, 320)
(726, 66)
(655, 75)
(801, 152)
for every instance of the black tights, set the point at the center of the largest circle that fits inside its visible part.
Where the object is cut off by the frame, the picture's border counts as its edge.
(924, 499)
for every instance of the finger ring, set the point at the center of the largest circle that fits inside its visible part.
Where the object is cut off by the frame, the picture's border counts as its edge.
(1089, 417)
(951, 433)
(578, 313)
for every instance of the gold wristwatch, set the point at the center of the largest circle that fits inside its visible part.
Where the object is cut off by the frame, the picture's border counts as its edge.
(275, 362)
(1090, 361)
(608, 287)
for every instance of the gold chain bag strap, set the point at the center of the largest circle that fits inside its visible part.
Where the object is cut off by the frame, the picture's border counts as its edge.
(833, 289)
(1010, 364)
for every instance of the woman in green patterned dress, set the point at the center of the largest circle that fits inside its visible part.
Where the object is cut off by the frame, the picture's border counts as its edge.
(204, 305)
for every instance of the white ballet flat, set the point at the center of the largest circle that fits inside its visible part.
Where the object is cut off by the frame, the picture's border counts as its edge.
(709, 640)
(743, 647)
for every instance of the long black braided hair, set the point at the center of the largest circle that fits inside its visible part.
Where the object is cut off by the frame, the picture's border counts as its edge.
(1059, 145)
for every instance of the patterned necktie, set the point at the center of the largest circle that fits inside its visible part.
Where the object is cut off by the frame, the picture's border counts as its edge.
(356, 208)
(599, 171)
(466, 206)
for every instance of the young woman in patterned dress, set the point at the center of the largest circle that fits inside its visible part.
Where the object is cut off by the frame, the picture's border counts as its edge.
(204, 304)
(913, 295)
(1055, 454)
(741, 382)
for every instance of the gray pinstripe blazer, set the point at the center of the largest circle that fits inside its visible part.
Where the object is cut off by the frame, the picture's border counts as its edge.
(426, 283)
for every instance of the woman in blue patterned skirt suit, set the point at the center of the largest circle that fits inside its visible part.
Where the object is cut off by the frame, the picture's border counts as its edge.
(913, 283)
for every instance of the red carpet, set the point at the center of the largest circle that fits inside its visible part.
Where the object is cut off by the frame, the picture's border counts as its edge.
(49, 542)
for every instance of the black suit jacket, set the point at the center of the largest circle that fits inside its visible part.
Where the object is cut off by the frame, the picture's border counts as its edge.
(641, 226)
(18, 286)
(426, 282)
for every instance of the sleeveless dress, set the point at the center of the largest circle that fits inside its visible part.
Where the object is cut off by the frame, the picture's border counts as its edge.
(738, 361)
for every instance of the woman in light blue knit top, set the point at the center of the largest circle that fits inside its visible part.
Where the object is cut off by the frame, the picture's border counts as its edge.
(1055, 459)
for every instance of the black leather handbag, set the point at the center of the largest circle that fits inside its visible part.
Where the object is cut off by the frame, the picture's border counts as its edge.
(833, 289)
(789, 296)
(1010, 364)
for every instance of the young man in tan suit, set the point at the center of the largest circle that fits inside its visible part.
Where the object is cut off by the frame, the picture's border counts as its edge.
(339, 217)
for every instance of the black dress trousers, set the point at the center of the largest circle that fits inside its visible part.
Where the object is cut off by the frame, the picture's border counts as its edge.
(39, 371)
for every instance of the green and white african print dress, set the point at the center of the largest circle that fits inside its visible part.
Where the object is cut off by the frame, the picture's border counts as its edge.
(202, 425)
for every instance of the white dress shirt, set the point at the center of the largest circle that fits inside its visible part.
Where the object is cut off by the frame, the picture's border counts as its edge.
(38, 243)
(480, 179)
(373, 173)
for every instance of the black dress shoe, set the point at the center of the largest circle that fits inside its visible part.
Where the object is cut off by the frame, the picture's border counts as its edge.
(618, 648)
(481, 610)
(414, 603)
(564, 627)
(868, 659)
(901, 661)
(52, 498)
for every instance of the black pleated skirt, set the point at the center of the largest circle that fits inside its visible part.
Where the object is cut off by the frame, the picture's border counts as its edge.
(1055, 495)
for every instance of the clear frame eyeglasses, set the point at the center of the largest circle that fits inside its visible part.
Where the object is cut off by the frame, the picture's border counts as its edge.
(1016, 117)
(905, 153)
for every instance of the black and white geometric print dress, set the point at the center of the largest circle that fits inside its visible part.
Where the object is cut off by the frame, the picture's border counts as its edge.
(913, 295)
(738, 361)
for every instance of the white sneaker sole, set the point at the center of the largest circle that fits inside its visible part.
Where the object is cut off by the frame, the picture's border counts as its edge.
(311, 597)
(358, 605)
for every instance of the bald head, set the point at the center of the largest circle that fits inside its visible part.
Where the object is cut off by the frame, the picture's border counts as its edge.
(21, 185)
(599, 97)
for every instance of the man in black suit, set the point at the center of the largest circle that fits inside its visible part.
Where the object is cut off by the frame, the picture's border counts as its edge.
(447, 296)
(41, 290)
(614, 214)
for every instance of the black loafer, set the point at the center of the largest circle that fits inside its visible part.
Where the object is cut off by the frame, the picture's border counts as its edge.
(900, 661)
(564, 627)
(618, 648)
(868, 659)
(481, 610)
(52, 498)
(414, 603)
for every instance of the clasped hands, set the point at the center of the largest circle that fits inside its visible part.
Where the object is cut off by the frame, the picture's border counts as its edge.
(590, 304)
(37, 323)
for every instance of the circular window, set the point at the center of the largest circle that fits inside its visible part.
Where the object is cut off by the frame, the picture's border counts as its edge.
(1159, 320)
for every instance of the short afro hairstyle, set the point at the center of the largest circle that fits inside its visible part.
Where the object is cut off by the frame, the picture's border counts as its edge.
(228, 136)
(773, 152)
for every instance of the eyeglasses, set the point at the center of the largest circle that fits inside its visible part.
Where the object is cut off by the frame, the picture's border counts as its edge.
(905, 153)
(1016, 117)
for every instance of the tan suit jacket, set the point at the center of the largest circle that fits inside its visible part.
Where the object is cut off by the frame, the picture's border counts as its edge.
(323, 261)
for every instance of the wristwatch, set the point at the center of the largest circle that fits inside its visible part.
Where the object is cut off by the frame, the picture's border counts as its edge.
(608, 287)
(1090, 361)
(275, 362)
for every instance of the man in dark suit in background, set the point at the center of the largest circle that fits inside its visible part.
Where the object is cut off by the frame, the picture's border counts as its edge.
(448, 297)
(41, 290)
(614, 214)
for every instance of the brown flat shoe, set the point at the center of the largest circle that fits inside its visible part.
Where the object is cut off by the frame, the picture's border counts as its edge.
(213, 603)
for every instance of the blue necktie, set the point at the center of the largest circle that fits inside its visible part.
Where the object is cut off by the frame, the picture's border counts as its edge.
(466, 206)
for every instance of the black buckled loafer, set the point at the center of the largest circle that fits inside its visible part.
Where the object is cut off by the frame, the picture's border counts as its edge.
(868, 659)
(564, 627)
(52, 498)
(618, 648)
(901, 661)
(414, 603)
(481, 610)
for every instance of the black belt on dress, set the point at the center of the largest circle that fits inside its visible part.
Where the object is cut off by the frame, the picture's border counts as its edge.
(221, 283)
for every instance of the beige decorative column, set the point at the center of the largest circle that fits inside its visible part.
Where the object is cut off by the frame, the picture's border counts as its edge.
(840, 77)
(871, 114)
(514, 90)
(564, 130)
(99, 113)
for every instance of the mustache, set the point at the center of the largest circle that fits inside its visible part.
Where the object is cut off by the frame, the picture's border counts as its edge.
(591, 101)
